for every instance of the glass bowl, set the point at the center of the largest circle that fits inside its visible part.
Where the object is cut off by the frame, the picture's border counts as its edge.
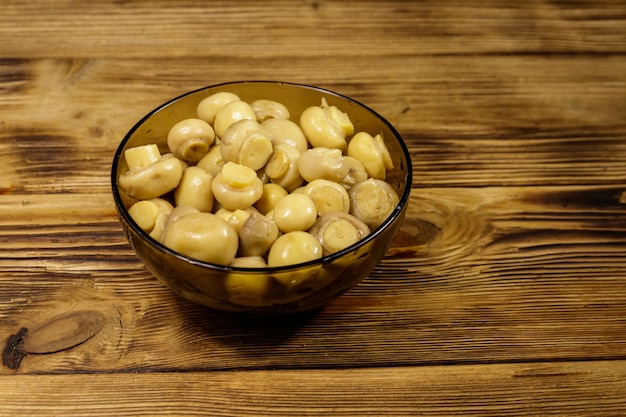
(263, 291)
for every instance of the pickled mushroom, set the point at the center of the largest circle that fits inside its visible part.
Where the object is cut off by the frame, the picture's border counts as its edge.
(373, 154)
(155, 176)
(209, 106)
(190, 139)
(372, 201)
(257, 235)
(151, 215)
(203, 236)
(269, 109)
(282, 167)
(237, 186)
(337, 231)
(288, 132)
(294, 212)
(294, 248)
(194, 189)
(246, 142)
(326, 126)
(323, 163)
(328, 196)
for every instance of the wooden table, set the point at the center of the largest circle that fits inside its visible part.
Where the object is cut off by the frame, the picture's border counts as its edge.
(504, 294)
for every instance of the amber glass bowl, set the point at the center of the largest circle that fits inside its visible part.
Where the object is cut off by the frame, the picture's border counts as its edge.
(263, 291)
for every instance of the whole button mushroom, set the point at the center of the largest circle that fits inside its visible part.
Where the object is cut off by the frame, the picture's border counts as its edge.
(237, 186)
(271, 194)
(288, 132)
(326, 126)
(178, 211)
(269, 109)
(373, 154)
(356, 172)
(338, 230)
(293, 212)
(294, 248)
(190, 139)
(282, 167)
(324, 163)
(150, 175)
(248, 143)
(195, 190)
(257, 235)
(202, 236)
(230, 113)
(151, 215)
(328, 196)
(213, 161)
(209, 106)
(372, 201)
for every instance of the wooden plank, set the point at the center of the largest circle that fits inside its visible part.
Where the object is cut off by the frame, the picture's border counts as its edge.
(460, 118)
(475, 275)
(504, 293)
(559, 389)
(313, 28)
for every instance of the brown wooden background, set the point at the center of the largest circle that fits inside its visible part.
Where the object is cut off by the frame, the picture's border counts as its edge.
(504, 294)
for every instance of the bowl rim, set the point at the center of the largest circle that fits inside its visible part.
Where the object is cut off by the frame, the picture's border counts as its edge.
(123, 211)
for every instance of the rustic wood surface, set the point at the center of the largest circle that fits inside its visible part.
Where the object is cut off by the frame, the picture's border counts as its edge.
(504, 293)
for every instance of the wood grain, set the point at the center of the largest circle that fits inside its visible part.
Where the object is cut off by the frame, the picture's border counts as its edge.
(308, 28)
(503, 294)
(561, 389)
(481, 275)
(486, 128)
